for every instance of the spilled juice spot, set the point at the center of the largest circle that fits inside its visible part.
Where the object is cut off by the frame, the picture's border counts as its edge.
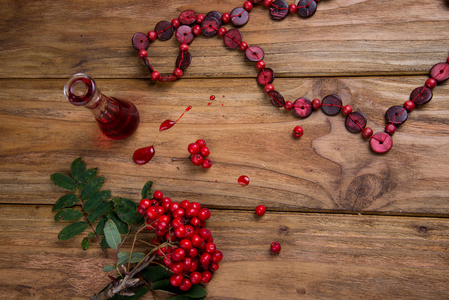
(243, 180)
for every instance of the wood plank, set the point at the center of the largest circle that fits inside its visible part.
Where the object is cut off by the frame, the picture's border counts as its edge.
(358, 37)
(327, 169)
(323, 256)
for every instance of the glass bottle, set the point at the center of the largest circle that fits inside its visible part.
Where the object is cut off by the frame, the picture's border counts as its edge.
(116, 118)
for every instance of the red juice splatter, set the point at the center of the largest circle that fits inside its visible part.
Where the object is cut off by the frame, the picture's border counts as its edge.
(243, 180)
(144, 155)
(209, 103)
(212, 97)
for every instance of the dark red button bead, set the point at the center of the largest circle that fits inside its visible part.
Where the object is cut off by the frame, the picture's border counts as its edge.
(184, 34)
(276, 98)
(355, 122)
(210, 26)
(239, 16)
(279, 9)
(217, 16)
(265, 76)
(233, 38)
(184, 59)
(164, 30)
(306, 8)
(440, 72)
(381, 142)
(187, 17)
(167, 78)
(396, 115)
(421, 95)
(140, 41)
(331, 105)
(302, 107)
(254, 53)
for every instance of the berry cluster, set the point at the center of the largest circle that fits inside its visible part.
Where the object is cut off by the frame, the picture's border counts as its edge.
(199, 152)
(184, 244)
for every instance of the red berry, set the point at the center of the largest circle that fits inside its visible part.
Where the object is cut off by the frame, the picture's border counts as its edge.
(177, 268)
(152, 213)
(193, 252)
(168, 261)
(197, 159)
(197, 241)
(178, 213)
(260, 210)
(195, 205)
(184, 204)
(191, 213)
(177, 222)
(175, 280)
(194, 266)
(201, 143)
(205, 233)
(207, 163)
(144, 203)
(193, 148)
(214, 267)
(174, 206)
(298, 131)
(178, 254)
(195, 277)
(165, 203)
(206, 276)
(217, 256)
(288, 105)
(185, 244)
(187, 263)
(210, 247)
(275, 247)
(185, 285)
(204, 214)
(190, 232)
(180, 232)
(204, 151)
(158, 195)
(205, 258)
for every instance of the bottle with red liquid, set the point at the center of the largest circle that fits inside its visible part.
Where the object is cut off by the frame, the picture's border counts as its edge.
(116, 118)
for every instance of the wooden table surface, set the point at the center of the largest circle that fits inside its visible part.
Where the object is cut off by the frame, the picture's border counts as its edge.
(352, 224)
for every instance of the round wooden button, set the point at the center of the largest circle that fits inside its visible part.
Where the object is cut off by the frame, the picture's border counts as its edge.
(265, 76)
(140, 41)
(279, 9)
(440, 72)
(396, 115)
(254, 53)
(167, 78)
(233, 38)
(421, 95)
(276, 98)
(184, 34)
(331, 105)
(239, 16)
(164, 30)
(306, 8)
(381, 142)
(355, 122)
(187, 17)
(184, 59)
(209, 26)
(302, 107)
(217, 16)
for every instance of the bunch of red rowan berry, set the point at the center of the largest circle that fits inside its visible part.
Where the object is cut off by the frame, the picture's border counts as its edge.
(199, 151)
(186, 247)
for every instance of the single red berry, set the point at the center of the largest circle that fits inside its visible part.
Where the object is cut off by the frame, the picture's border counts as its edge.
(175, 23)
(187, 263)
(217, 256)
(155, 75)
(185, 244)
(409, 105)
(201, 143)
(184, 204)
(143, 53)
(152, 36)
(196, 29)
(214, 267)
(177, 268)
(200, 18)
(222, 31)
(180, 232)
(177, 222)
(178, 72)
(197, 241)
(347, 109)
(204, 151)
(191, 213)
(288, 105)
(197, 159)
(248, 5)
(174, 206)
(165, 202)
(204, 214)
(195, 222)
(193, 148)
(178, 254)
(260, 210)
(243, 46)
(292, 8)
(193, 252)
(190, 232)
(152, 213)
(158, 195)
(205, 258)
(260, 65)
(194, 266)
(316, 103)
(367, 132)
(185, 285)
(431, 83)
(144, 203)
(207, 163)
(184, 47)
(298, 131)
(275, 247)
(178, 213)
(168, 261)
(206, 276)
(175, 280)
(195, 205)
(205, 233)
(390, 129)
(226, 18)
(210, 248)
(195, 277)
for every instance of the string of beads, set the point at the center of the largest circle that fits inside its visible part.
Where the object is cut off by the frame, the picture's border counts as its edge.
(190, 24)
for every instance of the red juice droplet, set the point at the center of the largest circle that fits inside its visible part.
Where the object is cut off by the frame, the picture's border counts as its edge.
(243, 180)
(143, 155)
(209, 103)
(167, 124)
(212, 97)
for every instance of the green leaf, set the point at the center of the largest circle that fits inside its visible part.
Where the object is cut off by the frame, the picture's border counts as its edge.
(196, 291)
(68, 214)
(164, 285)
(154, 274)
(103, 243)
(109, 268)
(91, 188)
(100, 226)
(122, 227)
(87, 177)
(99, 211)
(85, 243)
(139, 292)
(111, 234)
(126, 210)
(72, 230)
(96, 200)
(65, 201)
(90, 235)
(146, 191)
(123, 258)
(77, 168)
(182, 297)
(63, 181)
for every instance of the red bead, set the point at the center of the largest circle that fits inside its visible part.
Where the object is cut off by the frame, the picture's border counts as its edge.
(347, 109)
(184, 47)
(268, 88)
(243, 46)
(152, 36)
(367, 132)
(447, 60)
(155, 75)
(431, 83)
(390, 129)
(196, 30)
(248, 5)
(260, 65)
(316, 103)
(143, 53)
(222, 31)
(226, 18)
(267, 3)
(292, 8)
(288, 105)
(200, 18)
(298, 131)
(175, 23)
(177, 72)
(409, 105)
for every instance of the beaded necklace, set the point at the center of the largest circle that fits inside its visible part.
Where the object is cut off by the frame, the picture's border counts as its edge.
(190, 24)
